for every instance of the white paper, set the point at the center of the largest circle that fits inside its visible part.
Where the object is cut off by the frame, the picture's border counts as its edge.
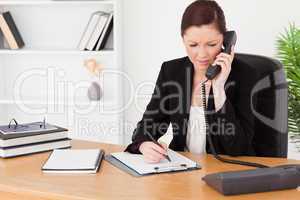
(137, 162)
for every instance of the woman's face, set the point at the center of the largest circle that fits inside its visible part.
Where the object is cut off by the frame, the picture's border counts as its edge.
(202, 45)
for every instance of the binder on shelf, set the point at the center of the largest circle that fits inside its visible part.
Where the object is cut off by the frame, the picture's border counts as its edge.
(2, 40)
(74, 161)
(106, 32)
(96, 32)
(89, 29)
(135, 165)
(92, 31)
(10, 31)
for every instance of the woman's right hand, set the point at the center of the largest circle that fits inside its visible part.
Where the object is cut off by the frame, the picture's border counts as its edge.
(152, 152)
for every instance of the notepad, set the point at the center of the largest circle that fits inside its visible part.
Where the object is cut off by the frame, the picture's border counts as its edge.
(137, 163)
(73, 161)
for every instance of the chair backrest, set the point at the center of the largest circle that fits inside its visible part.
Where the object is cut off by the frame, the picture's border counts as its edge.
(271, 110)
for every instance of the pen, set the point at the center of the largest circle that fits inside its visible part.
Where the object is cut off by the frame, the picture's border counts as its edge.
(153, 140)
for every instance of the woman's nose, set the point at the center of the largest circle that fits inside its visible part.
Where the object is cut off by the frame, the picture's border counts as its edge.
(201, 52)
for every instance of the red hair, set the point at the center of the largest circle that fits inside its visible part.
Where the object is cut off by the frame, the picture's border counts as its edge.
(203, 12)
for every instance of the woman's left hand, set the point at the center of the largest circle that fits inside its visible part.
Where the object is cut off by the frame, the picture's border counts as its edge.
(224, 60)
(218, 83)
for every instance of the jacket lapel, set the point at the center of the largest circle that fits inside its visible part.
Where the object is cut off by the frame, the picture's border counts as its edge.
(187, 97)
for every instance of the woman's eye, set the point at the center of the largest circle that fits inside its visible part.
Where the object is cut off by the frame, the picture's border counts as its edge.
(212, 45)
(193, 45)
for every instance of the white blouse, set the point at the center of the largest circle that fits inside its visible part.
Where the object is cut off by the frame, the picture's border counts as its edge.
(196, 132)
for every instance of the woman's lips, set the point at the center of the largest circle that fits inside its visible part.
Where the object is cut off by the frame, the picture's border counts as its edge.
(203, 62)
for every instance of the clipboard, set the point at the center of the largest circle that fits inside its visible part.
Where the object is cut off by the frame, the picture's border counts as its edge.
(170, 169)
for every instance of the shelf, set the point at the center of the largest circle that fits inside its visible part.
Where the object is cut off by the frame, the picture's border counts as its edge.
(52, 2)
(47, 78)
(45, 51)
(76, 103)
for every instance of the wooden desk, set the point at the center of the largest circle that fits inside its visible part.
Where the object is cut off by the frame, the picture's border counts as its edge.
(22, 178)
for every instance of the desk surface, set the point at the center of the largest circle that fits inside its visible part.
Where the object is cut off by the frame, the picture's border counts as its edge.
(22, 178)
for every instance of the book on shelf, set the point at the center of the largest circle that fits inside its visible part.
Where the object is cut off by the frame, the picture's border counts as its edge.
(106, 32)
(10, 31)
(74, 161)
(96, 32)
(22, 139)
(89, 29)
(2, 40)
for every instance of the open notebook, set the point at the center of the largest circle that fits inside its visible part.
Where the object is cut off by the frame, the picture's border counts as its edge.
(136, 163)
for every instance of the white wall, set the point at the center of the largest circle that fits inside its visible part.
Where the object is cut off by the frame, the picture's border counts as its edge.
(152, 35)
(259, 22)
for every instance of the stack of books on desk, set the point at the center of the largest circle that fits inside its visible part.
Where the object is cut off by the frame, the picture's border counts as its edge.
(22, 139)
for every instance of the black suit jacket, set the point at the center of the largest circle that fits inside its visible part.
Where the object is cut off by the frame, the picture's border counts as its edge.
(231, 128)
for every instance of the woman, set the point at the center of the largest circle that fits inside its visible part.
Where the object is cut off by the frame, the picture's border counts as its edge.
(177, 98)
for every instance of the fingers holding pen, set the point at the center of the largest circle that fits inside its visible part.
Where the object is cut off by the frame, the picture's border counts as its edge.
(152, 152)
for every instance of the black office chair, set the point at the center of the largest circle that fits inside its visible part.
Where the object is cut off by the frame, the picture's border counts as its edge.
(271, 111)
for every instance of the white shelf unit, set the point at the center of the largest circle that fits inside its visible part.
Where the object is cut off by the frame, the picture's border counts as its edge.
(54, 2)
(47, 77)
(55, 51)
